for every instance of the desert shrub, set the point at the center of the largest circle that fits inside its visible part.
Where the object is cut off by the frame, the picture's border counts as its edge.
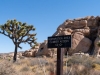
(75, 60)
(38, 73)
(94, 72)
(96, 61)
(87, 62)
(21, 57)
(9, 59)
(37, 62)
(75, 70)
(22, 61)
(25, 68)
(7, 68)
(0, 57)
(18, 62)
(43, 61)
(33, 62)
(96, 66)
(84, 60)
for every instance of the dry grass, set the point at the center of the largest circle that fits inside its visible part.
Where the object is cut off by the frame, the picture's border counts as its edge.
(31, 66)
(46, 66)
(7, 68)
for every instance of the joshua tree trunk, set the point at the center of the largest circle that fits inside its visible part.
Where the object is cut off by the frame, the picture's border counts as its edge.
(15, 52)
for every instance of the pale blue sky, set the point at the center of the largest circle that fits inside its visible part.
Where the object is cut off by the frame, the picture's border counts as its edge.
(45, 15)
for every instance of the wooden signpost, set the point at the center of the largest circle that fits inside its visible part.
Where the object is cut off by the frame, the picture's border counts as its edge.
(59, 42)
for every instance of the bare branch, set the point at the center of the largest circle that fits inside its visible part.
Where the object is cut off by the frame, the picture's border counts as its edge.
(5, 34)
(20, 47)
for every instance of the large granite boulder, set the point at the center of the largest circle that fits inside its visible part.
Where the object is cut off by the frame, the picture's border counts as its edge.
(79, 43)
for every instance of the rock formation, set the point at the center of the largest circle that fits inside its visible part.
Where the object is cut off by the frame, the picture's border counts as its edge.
(31, 52)
(85, 36)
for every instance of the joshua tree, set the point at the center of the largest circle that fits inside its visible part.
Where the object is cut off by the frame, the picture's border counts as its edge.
(19, 33)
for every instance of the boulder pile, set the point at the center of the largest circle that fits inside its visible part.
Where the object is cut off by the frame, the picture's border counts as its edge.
(31, 53)
(85, 37)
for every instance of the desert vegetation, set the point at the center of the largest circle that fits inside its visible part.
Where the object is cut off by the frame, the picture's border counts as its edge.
(76, 65)
(19, 33)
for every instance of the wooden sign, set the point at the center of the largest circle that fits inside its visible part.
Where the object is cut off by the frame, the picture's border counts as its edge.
(59, 41)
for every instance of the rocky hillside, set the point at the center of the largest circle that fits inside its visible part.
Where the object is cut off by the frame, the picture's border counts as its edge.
(85, 37)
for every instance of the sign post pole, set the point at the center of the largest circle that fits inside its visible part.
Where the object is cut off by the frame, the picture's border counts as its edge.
(59, 61)
(59, 42)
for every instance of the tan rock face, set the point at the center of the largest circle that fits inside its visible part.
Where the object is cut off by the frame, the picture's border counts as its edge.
(43, 50)
(30, 53)
(85, 31)
(66, 31)
(79, 43)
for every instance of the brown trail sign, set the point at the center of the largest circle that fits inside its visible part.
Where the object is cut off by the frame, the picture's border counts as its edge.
(59, 42)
